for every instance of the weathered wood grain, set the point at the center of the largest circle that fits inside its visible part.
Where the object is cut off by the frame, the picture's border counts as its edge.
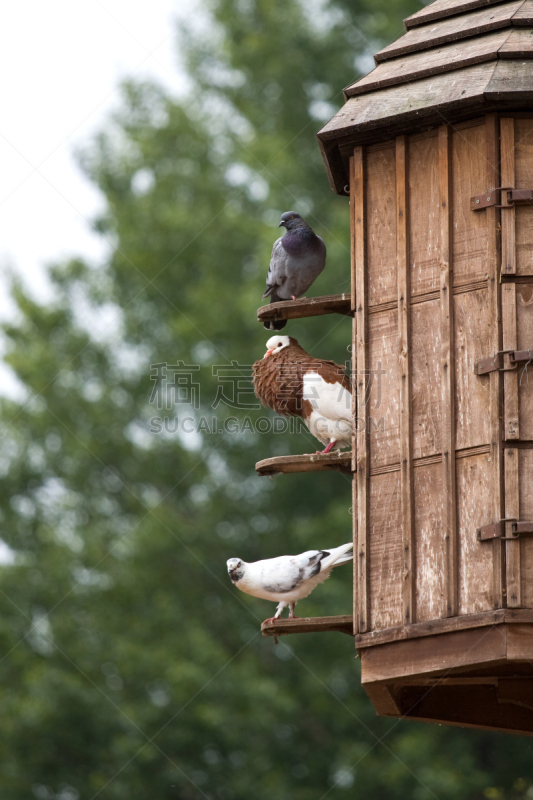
(524, 15)
(507, 166)
(361, 553)
(380, 177)
(494, 339)
(355, 231)
(521, 616)
(379, 115)
(473, 322)
(520, 643)
(283, 627)
(483, 449)
(385, 549)
(465, 83)
(511, 418)
(383, 415)
(384, 113)
(336, 461)
(405, 358)
(519, 44)
(447, 371)
(440, 9)
(353, 244)
(474, 23)
(469, 159)
(426, 409)
(306, 307)
(444, 59)
(524, 372)
(430, 502)
(510, 84)
(512, 511)
(424, 213)
(382, 698)
(525, 476)
(432, 654)
(476, 579)
(523, 157)
(356, 561)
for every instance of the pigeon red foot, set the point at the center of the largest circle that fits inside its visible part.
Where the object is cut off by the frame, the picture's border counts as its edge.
(328, 448)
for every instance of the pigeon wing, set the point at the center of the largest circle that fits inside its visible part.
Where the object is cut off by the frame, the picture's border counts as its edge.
(276, 272)
(329, 394)
(287, 573)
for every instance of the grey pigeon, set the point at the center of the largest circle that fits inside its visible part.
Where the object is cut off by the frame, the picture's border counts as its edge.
(287, 579)
(297, 260)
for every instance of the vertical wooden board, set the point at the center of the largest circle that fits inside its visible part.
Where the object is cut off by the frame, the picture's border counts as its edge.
(355, 198)
(405, 358)
(524, 314)
(383, 407)
(469, 227)
(472, 322)
(511, 417)
(385, 550)
(474, 499)
(494, 343)
(424, 255)
(380, 186)
(512, 511)
(430, 543)
(355, 562)
(526, 513)
(354, 232)
(507, 167)
(447, 369)
(426, 378)
(508, 306)
(524, 180)
(361, 355)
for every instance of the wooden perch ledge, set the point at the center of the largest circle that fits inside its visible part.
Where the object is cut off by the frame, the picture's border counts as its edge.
(306, 307)
(337, 461)
(282, 627)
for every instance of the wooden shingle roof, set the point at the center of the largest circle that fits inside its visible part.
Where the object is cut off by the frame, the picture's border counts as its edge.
(458, 58)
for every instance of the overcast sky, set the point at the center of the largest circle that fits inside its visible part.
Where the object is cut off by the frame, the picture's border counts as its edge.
(62, 63)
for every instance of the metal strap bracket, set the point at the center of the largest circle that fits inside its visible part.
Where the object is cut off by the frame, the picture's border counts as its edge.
(498, 361)
(502, 197)
(504, 529)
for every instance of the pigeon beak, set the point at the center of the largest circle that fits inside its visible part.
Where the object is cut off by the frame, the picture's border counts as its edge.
(281, 224)
(268, 353)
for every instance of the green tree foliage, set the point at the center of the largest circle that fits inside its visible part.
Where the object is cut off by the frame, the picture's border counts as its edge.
(130, 666)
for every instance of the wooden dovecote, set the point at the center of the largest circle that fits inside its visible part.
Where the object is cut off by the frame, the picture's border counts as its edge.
(435, 148)
(457, 59)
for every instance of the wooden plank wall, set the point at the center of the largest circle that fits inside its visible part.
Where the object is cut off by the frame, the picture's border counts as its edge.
(517, 318)
(429, 459)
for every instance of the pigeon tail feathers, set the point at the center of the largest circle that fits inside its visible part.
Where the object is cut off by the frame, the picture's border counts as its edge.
(275, 324)
(337, 556)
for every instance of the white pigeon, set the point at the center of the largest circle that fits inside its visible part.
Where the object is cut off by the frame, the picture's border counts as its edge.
(287, 579)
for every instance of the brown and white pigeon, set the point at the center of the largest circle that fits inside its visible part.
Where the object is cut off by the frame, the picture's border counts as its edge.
(293, 383)
(287, 579)
(297, 260)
